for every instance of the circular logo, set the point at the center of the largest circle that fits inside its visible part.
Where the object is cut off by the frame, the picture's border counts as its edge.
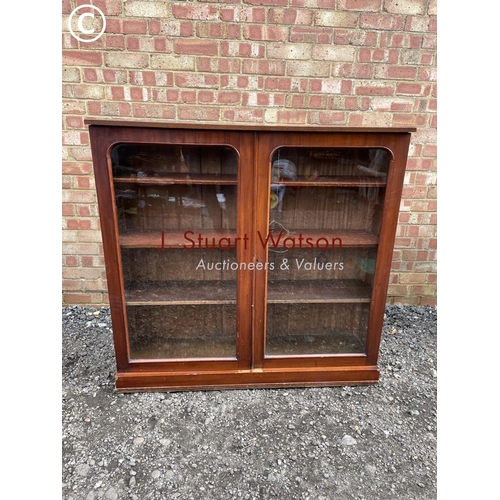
(81, 19)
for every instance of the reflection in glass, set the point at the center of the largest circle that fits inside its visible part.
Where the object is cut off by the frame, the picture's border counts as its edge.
(304, 329)
(325, 217)
(176, 210)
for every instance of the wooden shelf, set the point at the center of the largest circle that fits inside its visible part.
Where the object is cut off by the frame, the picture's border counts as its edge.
(224, 292)
(177, 239)
(334, 181)
(190, 348)
(180, 178)
(318, 291)
(350, 238)
(340, 342)
(180, 293)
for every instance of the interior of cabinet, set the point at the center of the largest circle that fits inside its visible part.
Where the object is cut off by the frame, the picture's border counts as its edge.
(327, 205)
(180, 305)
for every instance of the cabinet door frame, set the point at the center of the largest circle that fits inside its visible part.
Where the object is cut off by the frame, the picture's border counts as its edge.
(267, 142)
(103, 139)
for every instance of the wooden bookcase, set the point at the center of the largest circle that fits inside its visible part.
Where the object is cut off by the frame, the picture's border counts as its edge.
(246, 256)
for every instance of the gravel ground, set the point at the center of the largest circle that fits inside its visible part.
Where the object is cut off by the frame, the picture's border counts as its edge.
(365, 442)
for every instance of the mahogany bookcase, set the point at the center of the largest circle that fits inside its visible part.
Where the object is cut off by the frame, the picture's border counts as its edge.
(246, 256)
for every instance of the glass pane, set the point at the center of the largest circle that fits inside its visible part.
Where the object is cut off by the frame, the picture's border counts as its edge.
(145, 161)
(298, 329)
(176, 210)
(325, 216)
(177, 332)
(176, 207)
(302, 164)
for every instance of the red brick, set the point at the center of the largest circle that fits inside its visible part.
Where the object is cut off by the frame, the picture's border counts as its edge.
(81, 58)
(409, 120)
(204, 13)
(76, 168)
(430, 150)
(428, 301)
(427, 74)
(74, 122)
(414, 192)
(206, 97)
(66, 7)
(117, 93)
(277, 3)
(321, 4)
(431, 278)
(291, 116)
(282, 84)
(316, 101)
(241, 82)
(381, 22)
(396, 72)
(126, 26)
(218, 30)
(374, 90)
(78, 224)
(409, 89)
(243, 14)
(311, 35)
(242, 49)
(115, 42)
(68, 209)
(84, 211)
(218, 65)
(201, 47)
(70, 260)
(196, 80)
(108, 7)
(77, 298)
(84, 183)
(70, 285)
(264, 32)
(228, 97)
(161, 45)
(298, 101)
(87, 260)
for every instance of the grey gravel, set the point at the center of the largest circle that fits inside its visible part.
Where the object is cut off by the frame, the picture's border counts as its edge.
(251, 444)
(348, 440)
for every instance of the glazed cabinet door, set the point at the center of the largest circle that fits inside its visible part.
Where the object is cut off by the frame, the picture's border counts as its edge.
(182, 299)
(322, 200)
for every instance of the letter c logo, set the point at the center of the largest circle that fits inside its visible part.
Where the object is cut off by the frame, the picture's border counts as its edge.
(80, 21)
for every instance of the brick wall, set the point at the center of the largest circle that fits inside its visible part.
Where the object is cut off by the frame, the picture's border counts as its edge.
(328, 62)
